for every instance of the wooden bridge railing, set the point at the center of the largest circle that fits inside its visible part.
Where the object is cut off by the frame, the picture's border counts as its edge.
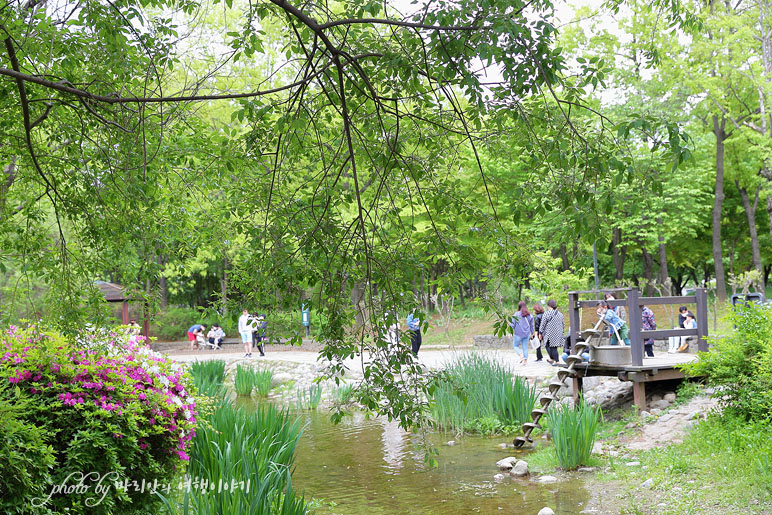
(634, 304)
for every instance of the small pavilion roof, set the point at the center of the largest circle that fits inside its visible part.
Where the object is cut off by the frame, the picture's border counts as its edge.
(112, 292)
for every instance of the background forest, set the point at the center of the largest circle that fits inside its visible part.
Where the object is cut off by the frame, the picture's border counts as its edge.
(209, 155)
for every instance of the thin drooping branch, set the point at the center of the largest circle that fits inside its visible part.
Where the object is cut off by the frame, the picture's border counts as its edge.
(59, 86)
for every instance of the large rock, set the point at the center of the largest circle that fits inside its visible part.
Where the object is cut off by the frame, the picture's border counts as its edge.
(506, 464)
(520, 469)
(670, 397)
(661, 404)
(547, 479)
(546, 511)
(489, 341)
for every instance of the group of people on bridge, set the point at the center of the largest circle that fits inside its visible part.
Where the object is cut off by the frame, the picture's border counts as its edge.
(546, 328)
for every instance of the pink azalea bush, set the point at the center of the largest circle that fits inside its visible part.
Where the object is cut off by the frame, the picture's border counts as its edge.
(106, 404)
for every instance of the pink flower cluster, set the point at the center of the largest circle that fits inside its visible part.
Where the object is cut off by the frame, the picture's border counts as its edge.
(113, 373)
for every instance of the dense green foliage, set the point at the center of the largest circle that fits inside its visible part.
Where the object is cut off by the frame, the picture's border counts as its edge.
(105, 408)
(477, 393)
(573, 429)
(739, 365)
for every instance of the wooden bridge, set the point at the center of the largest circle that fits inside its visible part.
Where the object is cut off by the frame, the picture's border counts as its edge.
(641, 370)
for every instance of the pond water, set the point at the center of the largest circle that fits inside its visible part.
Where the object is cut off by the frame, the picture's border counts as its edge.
(372, 466)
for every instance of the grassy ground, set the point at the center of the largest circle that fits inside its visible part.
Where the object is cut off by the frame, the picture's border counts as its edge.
(722, 467)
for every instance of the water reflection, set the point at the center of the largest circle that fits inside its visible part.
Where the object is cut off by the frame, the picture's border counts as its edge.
(366, 465)
(393, 438)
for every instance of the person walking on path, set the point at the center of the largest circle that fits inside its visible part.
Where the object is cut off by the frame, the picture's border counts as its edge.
(245, 331)
(414, 325)
(618, 327)
(649, 323)
(538, 314)
(194, 332)
(552, 329)
(522, 323)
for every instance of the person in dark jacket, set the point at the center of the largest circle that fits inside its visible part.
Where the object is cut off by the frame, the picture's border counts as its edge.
(538, 313)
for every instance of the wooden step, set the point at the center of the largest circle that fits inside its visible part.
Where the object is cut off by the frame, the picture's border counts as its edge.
(530, 426)
(564, 373)
(554, 386)
(573, 359)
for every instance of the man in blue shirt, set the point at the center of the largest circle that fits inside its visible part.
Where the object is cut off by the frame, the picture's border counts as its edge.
(616, 324)
(414, 325)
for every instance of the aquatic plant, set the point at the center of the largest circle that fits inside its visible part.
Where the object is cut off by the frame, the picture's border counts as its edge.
(573, 432)
(241, 463)
(514, 401)
(310, 398)
(262, 380)
(208, 376)
(344, 393)
(244, 380)
(474, 389)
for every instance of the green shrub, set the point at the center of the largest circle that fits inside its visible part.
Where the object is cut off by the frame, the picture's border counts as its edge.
(573, 433)
(740, 365)
(108, 408)
(25, 457)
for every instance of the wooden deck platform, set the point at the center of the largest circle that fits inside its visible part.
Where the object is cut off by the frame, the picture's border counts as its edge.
(659, 368)
(641, 370)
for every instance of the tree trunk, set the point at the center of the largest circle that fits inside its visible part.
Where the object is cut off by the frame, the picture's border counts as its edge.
(461, 295)
(564, 257)
(750, 214)
(718, 263)
(357, 295)
(664, 276)
(162, 283)
(648, 266)
(678, 283)
(224, 282)
(618, 253)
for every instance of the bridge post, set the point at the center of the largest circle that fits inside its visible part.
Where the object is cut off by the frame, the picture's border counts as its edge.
(701, 297)
(635, 326)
